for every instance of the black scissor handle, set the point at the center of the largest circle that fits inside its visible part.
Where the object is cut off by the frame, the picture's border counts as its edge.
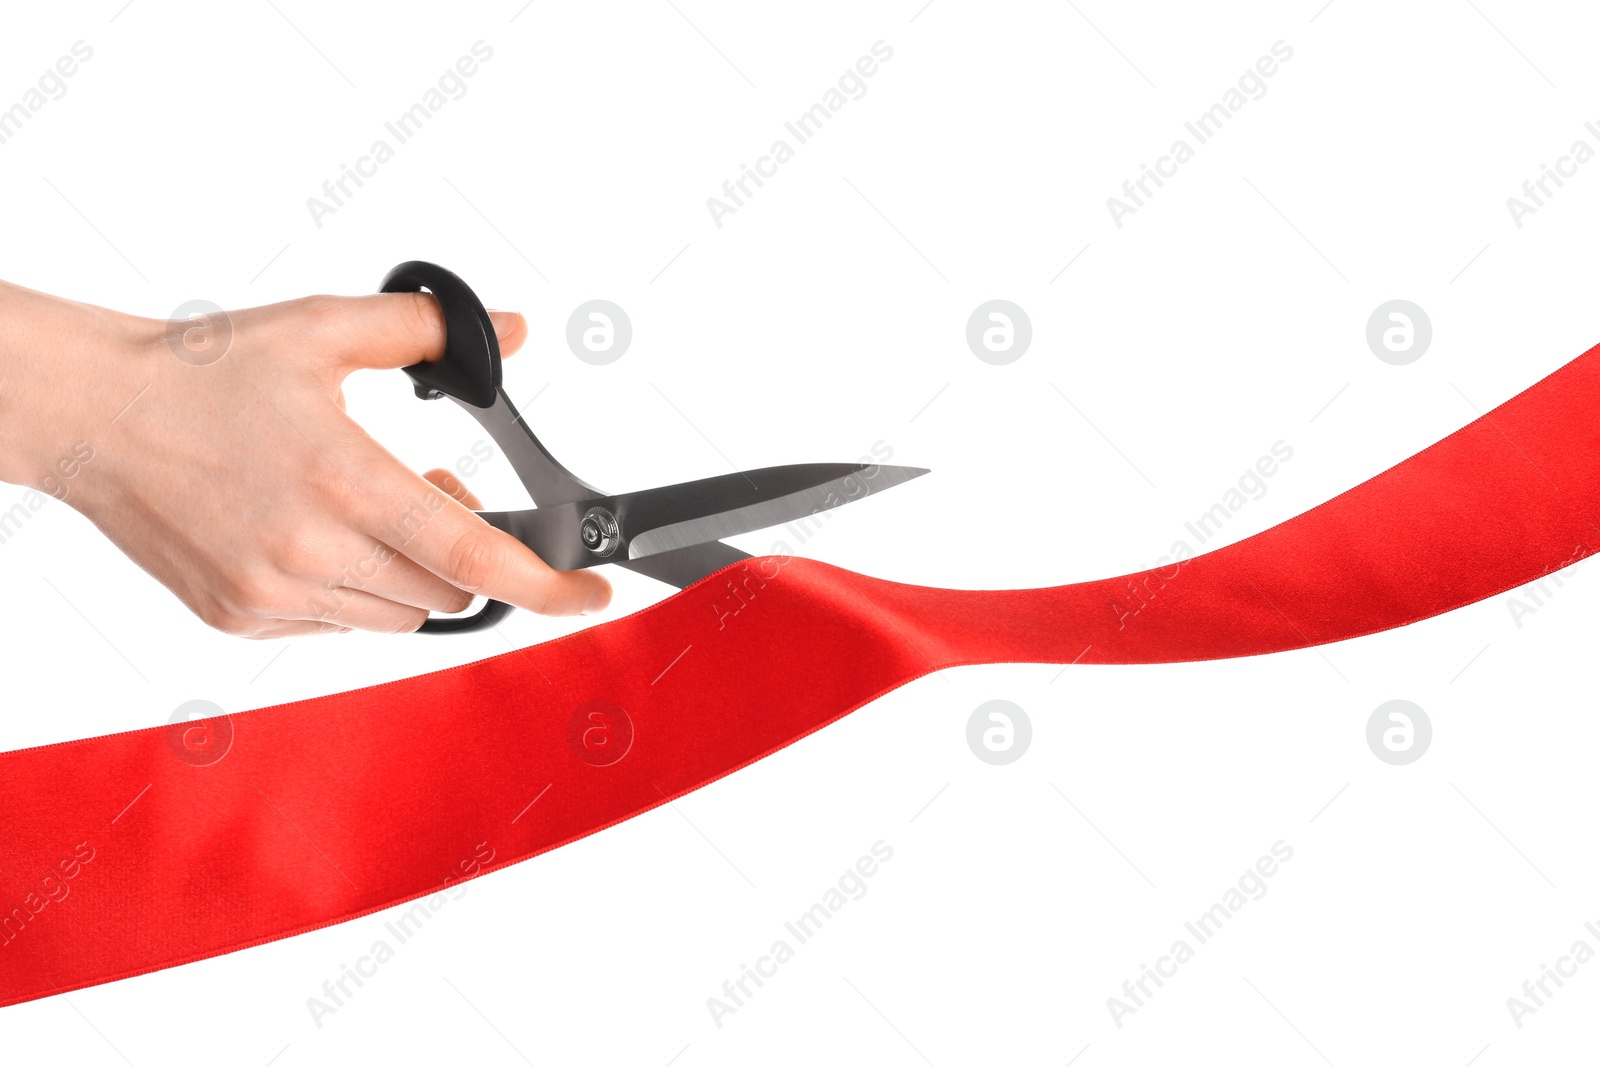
(489, 615)
(469, 373)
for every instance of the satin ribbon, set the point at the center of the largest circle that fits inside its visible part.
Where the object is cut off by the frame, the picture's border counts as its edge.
(143, 850)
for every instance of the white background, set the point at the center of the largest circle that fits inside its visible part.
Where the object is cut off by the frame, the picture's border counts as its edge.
(827, 314)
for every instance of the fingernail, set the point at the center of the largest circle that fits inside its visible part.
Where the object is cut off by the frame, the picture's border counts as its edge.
(505, 322)
(598, 601)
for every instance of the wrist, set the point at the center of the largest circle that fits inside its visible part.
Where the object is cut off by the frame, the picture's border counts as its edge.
(67, 372)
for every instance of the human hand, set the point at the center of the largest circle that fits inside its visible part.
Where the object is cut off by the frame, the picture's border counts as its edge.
(240, 483)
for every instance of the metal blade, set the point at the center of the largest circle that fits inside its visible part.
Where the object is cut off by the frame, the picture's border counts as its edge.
(687, 565)
(849, 482)
(549, 483)
(670, 519)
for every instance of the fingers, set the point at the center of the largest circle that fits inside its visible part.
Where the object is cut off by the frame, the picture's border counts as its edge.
(389, 574)
(279, 629)
(385, 572)
(397, 592)
(453, 487)
(385, 592)
(262, 628)
(361, 610)
(448, 540)
(381, 331)
(332, 609)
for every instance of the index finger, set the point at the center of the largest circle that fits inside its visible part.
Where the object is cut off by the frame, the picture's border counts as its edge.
(443, 536)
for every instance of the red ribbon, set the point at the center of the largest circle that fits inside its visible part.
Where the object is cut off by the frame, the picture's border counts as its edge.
(137, 851)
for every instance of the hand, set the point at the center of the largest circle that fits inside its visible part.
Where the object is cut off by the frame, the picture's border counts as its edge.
(241, 484)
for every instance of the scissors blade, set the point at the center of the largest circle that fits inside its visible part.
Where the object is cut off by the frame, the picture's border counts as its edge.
(685, 566)
(653, 522)
(736, 504)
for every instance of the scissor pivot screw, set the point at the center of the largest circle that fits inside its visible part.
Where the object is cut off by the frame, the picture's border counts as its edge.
(599, 531)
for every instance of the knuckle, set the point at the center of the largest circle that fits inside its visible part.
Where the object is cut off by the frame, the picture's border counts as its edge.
(546, 603)
(421, 320)
(216, 615)
(301, 551)
(450, 484)
(339, 492)
(473, 561)
(409, 621)
(231, 622)
(257, 595)
(393, 619)
(314, 322)
(317, 311)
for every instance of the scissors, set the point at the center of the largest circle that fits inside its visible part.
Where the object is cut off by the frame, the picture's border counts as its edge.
(671, 533)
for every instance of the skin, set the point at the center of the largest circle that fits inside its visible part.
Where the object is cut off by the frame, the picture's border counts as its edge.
(239, 482)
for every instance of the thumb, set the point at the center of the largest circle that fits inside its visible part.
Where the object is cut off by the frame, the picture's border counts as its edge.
(384, 331)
